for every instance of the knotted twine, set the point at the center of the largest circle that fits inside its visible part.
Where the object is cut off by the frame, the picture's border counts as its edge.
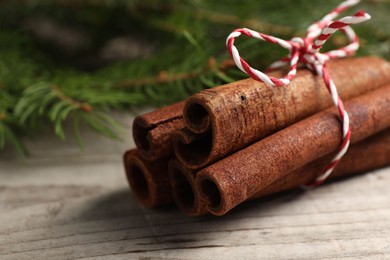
(305, 50)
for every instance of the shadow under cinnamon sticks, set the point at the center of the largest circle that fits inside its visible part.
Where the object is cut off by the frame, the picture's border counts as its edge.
(225, 119)
(240, 176)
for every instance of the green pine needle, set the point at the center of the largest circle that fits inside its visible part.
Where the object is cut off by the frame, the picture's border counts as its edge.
(72, 74)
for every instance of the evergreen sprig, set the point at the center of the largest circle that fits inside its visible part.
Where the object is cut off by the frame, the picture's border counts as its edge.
(75, 61)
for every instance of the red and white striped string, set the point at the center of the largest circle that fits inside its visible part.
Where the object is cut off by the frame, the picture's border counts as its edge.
(306, 51)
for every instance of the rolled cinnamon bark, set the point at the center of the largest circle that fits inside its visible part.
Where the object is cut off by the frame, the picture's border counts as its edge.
(153, 132)
(234, 179)
(149, 181)
(234, 115)
(369, 154)
(184, 193)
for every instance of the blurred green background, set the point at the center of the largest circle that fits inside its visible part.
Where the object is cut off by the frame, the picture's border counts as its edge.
(75, 61)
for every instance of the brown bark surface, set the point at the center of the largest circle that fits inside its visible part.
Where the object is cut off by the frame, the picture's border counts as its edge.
(239, 176)
(149, 181)
(153, 132)
(232, 116)
(371, 153)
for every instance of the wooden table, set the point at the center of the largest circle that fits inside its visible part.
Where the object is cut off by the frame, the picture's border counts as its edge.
(63, 203)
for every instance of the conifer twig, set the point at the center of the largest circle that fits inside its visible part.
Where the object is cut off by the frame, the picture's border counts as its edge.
(61, 95)
(183, 34)
(255, 24)
(163, 77)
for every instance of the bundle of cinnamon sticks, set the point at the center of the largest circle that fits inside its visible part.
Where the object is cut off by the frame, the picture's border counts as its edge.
(243, 140)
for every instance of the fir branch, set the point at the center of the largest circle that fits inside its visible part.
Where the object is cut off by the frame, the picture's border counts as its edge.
(227, 19)
(49, 101)
(163, 77)
(41, 82)
(61, 95)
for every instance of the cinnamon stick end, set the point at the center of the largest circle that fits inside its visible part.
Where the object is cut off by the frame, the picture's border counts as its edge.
(192, 150)
(140, 134)
(196, 115)
(141, 181)
(183, 189)
(211, 194)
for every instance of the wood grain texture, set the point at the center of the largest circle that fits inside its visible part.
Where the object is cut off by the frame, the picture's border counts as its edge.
(62, 203)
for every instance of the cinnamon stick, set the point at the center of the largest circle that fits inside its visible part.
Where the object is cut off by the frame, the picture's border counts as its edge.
(366, 155)
(236, 178)
(369, 154)
(149, 181)
(184, 192)
(232, 116)
(153, 132)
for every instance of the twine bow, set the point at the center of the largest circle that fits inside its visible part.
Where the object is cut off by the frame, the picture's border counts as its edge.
(306, 51)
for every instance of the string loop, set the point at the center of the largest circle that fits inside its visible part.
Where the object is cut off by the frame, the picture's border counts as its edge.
(306, 51)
